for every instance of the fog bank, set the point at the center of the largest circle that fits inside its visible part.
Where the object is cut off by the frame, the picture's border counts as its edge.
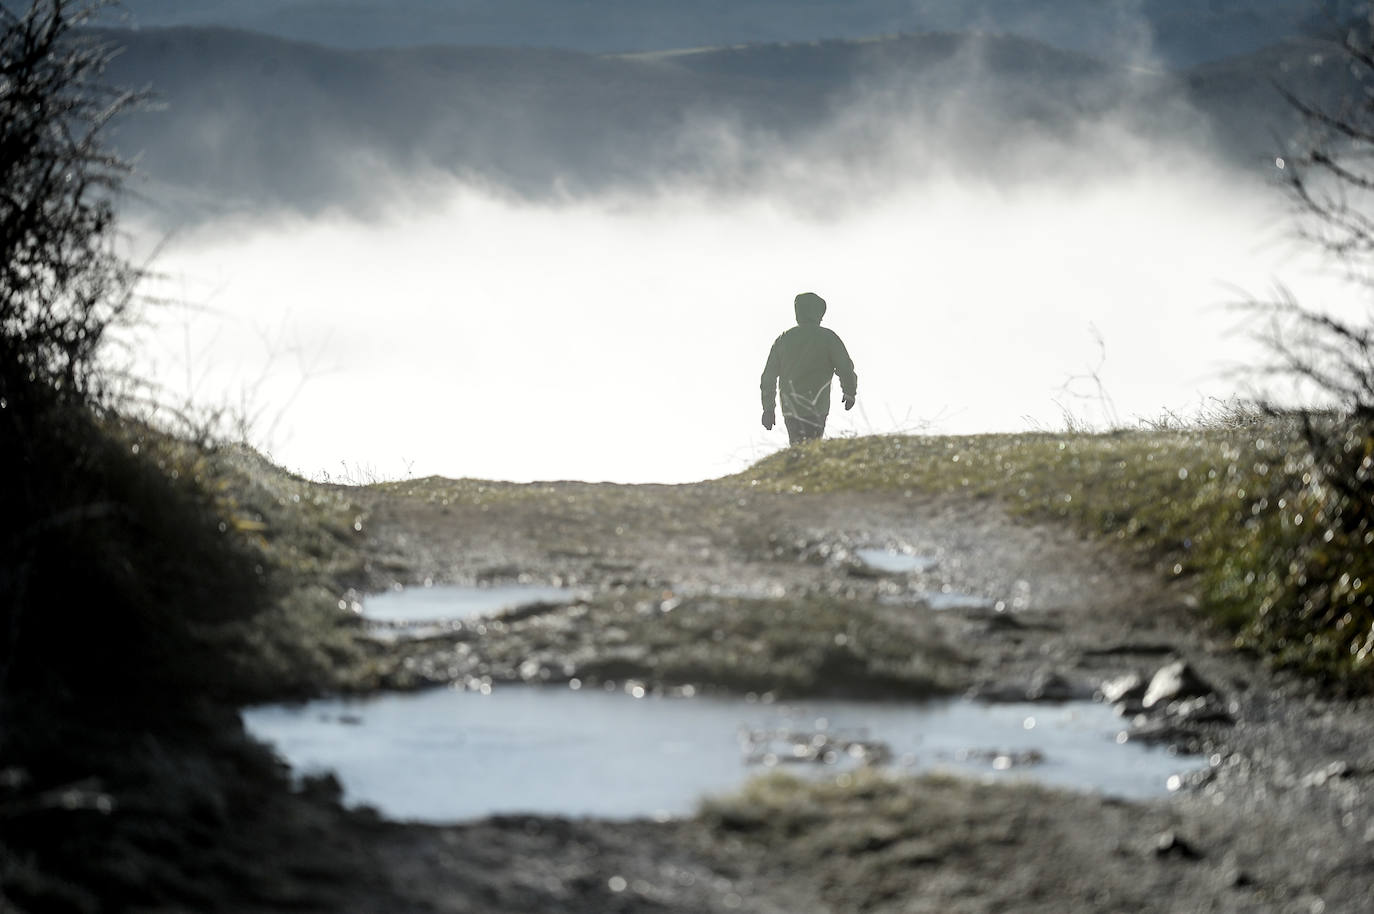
(622, 338)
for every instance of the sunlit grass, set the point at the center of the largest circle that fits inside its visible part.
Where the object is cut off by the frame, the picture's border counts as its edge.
(776, 648)
(307, 541)
(873, 841)
(1239, 513)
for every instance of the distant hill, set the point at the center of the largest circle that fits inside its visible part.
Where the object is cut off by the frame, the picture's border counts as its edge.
(250, 121)
(1177, 32)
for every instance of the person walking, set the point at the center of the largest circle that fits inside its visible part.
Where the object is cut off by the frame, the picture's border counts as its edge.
(800, 367)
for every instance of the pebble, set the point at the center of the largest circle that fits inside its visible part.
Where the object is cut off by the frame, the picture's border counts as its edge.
(1130, 687)
(1047, 685)
(1174, 681)
(1169, 844)
(1330, 772)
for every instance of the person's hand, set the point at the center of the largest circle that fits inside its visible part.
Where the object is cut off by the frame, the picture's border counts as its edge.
(848, 401)
(768, 419)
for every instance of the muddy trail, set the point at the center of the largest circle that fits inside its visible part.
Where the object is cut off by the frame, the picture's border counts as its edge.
(724, 588)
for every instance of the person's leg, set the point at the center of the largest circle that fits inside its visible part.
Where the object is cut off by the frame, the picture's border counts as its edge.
(804, 429)
(814, 427)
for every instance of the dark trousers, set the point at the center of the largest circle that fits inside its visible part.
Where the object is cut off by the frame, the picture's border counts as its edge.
(808, 429)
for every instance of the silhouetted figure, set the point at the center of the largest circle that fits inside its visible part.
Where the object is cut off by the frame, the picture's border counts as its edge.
(801, 365)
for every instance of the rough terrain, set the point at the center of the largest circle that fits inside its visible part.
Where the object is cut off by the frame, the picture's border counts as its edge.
(1280, 820)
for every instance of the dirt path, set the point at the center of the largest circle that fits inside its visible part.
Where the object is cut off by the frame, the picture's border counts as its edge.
(1280, 821)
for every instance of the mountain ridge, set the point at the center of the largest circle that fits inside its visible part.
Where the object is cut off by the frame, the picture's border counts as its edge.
(1177, 32)
(266, 121)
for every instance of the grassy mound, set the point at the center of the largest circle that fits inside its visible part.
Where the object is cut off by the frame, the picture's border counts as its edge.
(1276, 551)
(789, 648)
(876, 843)
(148, 585)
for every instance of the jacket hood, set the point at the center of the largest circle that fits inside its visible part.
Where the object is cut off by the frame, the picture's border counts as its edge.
(810, 308)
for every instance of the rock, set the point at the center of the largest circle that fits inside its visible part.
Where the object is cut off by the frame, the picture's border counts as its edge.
(1166, 733)
(1130, 708)
(1128, 688)
(997, 692)
(1331, 772)
(325, 787)
(1201, 710)
(1233, 874)
(777, 747)
(1113, 650)
(14, 778)
(996, 620)
(1169, 844)
(1003, 761)
(493, 573)
(1047, 685)
(1174, 681)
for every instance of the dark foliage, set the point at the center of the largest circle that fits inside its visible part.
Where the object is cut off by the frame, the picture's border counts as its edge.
(117, 571)
(62, 282)
(125, 778)
(115, 563)
(1329, 173)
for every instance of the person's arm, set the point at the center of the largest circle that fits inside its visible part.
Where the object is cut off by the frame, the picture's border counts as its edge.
(844, 368)
(768, 385)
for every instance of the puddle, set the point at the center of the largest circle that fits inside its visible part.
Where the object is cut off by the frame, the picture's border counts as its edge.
(445, 755)
(446, 604)
(939, 600)
(952, 599)
(891, 561)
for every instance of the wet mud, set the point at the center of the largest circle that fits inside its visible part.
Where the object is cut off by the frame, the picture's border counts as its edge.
(719, 587)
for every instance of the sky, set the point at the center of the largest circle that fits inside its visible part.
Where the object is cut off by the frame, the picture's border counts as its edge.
(619, 336)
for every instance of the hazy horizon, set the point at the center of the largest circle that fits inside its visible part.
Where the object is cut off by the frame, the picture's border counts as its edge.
(1175, 32)
(623, 340)
(973, 252)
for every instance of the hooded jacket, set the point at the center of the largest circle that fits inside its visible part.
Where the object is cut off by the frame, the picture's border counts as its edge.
(802, 363)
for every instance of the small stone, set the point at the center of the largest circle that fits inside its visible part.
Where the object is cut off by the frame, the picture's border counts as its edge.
(1338, 769)
(1047, 685)
(1169, 844)
(997, 692)
(1326, 773)
(1174, 681)
(1130, 687)
(13, 778)
(1200, 710)
(1176, 736)
(324, 787)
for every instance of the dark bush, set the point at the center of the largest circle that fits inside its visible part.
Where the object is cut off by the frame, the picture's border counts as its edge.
(114, 565)
(131, 597)
(63, 282)
(1329, 173)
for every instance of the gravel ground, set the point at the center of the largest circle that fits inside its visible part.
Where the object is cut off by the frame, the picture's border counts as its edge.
(1279, 821)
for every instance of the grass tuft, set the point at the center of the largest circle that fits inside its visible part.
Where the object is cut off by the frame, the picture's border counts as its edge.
(1239, 511)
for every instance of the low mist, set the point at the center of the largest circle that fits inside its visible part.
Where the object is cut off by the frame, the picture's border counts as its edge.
(991, 266)
(622, 339)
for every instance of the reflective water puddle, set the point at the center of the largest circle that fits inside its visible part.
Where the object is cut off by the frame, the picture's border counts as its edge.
(449, 603)
(446, 755)
(891, 561)
(952, 599)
